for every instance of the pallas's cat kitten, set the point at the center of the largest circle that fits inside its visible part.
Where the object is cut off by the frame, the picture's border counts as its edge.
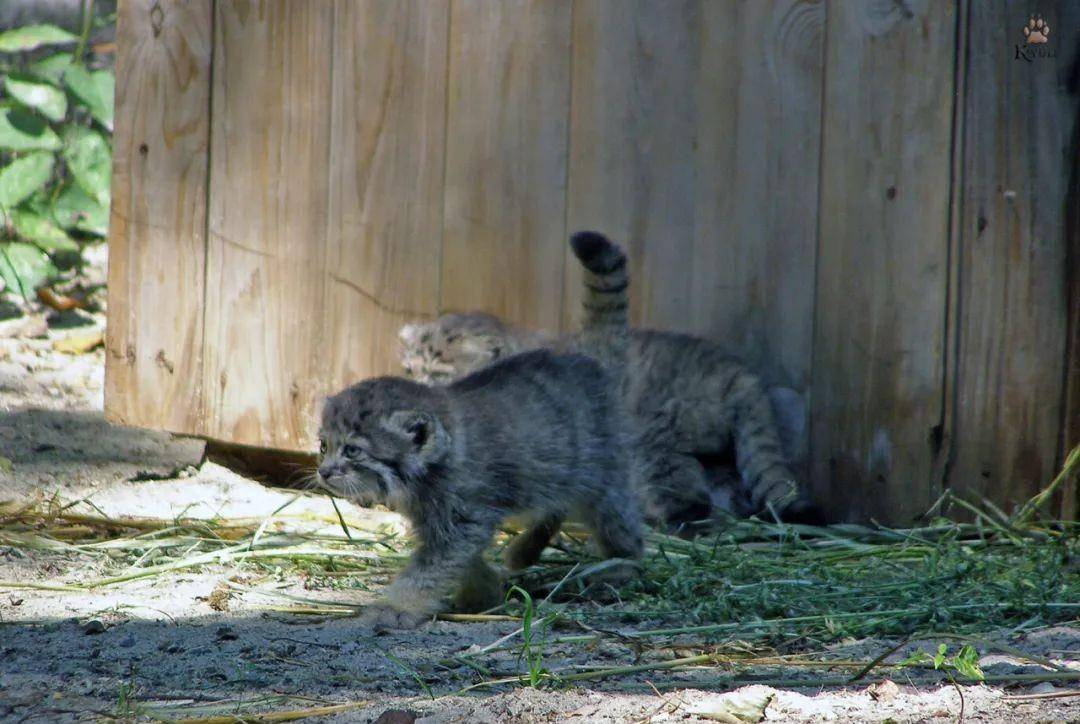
(536, 436)
(692, 403)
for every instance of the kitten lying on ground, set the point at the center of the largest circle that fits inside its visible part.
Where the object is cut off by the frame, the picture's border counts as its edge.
(694, 404)
(536, 436)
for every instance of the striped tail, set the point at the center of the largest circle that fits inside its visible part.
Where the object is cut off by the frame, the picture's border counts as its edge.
(606, 324)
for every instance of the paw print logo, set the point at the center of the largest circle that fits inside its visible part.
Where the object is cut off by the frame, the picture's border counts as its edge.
(1036, 31)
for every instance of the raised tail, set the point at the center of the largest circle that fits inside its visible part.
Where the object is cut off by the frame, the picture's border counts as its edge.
(606, 324)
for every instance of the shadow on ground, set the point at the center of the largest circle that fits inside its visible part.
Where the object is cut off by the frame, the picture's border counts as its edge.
(49, 450)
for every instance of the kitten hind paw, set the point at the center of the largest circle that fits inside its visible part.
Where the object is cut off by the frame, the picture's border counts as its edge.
(381, 617)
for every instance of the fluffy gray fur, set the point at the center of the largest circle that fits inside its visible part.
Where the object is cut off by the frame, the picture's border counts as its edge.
(708, 437)
(536, 436)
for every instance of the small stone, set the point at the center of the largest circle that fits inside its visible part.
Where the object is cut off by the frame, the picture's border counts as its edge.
(94, 626)
(396, 716)
(885, 691)
(127, 642)
(219, 598)
(225, 633)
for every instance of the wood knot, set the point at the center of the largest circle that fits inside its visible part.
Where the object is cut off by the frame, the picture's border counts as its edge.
(157, 19)
(143, 149)
(164, 361)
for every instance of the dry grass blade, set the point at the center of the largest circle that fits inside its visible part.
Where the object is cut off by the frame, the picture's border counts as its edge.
(173, 715)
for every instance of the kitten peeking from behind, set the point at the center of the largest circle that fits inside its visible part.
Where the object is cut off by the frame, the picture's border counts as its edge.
(536, 436)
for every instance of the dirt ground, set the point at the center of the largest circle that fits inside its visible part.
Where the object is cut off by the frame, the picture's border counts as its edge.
(172, 647)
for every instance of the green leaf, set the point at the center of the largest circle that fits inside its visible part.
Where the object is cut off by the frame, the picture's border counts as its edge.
(939, 657)
(21, 130)
(919, 657)
(32, 226)
(90, 161)
(967, 663)
(106, 85)
(22, 177)
(75, 210)
(51, 68)
(93, 91)
(24, 267)
(33, 36)
(50, 101)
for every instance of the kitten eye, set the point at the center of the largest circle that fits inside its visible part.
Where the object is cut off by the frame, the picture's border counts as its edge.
(322, 447)
(352, 451)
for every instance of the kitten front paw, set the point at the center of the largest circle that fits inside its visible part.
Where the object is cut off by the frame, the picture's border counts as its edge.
(381, 617)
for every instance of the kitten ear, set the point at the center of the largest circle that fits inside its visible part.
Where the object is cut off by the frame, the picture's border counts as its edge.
(422, 428)
(409, 334)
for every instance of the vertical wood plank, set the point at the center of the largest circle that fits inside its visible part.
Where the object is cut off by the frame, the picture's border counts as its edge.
(505, 196)
(386, 202)
(158, 219)
(881, 284)
(1070, 433)
(752, 270)
(1011, 295)
(632, 148)
(266, 343)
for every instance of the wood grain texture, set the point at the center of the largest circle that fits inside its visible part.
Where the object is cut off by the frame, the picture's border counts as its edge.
(632, 149)
(386, 179)
(505, 194)
(1070, 432)
(758, 133)
(1011, 294)
(266, 339)
(881, 285)
(158, 220)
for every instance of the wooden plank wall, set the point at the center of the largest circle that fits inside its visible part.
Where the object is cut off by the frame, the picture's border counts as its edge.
(387, 118)
(871, 202)
(1018, 150)
(157, 238)
(882, 257)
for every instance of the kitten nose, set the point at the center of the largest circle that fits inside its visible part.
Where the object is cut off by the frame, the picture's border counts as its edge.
(325, 472)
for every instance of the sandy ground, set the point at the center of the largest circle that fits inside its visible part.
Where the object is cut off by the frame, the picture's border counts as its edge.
(162, 647)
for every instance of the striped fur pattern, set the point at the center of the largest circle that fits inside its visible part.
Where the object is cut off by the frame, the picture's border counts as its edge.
(537, 436)
(705, 423)
(605, 332)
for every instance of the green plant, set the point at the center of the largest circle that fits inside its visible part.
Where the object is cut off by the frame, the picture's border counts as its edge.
(964, 662)
(531, 651)
(56, 116)
(127, 706)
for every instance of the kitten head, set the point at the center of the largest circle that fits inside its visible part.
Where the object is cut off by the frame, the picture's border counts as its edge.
(454, 345)
(379, 439)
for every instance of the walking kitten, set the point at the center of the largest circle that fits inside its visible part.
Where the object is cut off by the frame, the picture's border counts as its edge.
(536, 436)
(694, 404)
